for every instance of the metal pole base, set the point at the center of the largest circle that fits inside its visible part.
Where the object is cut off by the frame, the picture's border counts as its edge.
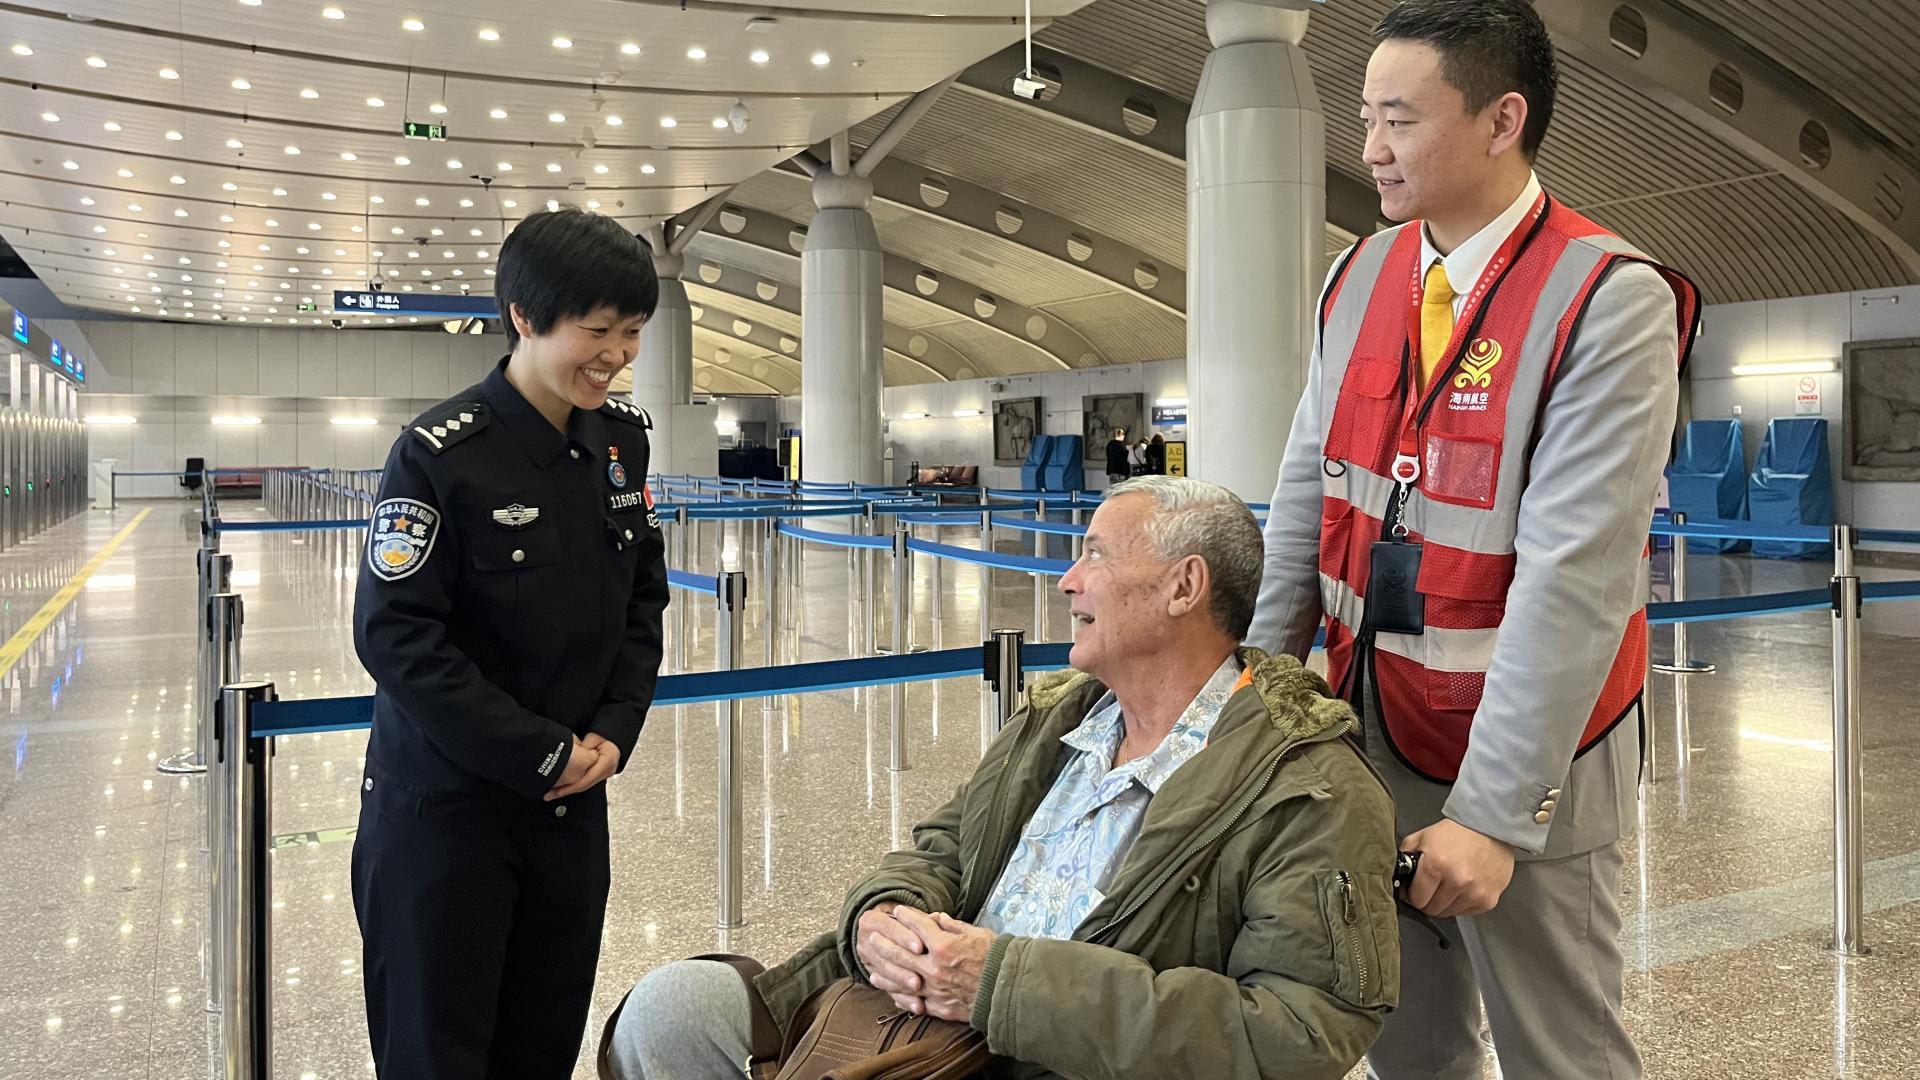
(182, 764)
(887, 650)
(1841, 948)
(1690, 667)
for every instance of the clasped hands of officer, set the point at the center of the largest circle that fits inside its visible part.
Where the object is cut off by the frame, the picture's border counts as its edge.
(929, 964)
(593, 760)
(1462, 872)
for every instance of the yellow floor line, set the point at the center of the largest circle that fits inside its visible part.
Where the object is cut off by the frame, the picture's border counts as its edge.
(16, 646)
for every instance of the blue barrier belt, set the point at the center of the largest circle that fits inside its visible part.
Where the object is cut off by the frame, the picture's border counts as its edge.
(1054, 528)
(997, 560)
(700, 583)
(836, 539)
(1889, 590)
(1744, 530)
(969, 509)
(291, 526)
(1738, 607)
(1888, 536)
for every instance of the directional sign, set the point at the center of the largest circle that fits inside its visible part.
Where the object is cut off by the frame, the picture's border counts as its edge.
(308, 306)
(80, 369)
(20, 328)
(55, 357)
(415, 130)
(432, 305)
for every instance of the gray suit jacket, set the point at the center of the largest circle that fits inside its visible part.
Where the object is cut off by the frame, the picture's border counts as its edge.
(1603, 442)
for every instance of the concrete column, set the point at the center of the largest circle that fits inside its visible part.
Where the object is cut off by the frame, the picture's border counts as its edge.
(663, 371)
(841, 286)
(1256, 226)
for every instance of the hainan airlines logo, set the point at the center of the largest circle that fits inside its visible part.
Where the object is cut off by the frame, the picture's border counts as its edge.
(1477, 368)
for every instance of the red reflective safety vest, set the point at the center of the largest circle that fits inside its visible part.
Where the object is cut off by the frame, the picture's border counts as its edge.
(1471, 434)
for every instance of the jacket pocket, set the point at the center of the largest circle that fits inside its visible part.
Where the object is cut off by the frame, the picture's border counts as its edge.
(1364, 418)
(1363, 974)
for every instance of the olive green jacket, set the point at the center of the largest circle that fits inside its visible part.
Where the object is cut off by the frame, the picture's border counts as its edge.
(1250, 931)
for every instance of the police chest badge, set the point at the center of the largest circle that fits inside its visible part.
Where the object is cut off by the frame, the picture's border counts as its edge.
(616, 472)
(403, 534)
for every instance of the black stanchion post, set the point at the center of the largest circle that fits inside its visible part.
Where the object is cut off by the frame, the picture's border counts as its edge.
(1006, 681)
(246, 1023)
(731, 602)
(1848, 872)
(902, 620)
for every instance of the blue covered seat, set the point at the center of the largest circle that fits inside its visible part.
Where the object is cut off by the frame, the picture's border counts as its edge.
(1038, 455)
(1792, 484)
(1064, 470)
(1707, 480)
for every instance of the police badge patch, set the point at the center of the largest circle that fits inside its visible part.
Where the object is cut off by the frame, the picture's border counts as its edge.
(403, 534)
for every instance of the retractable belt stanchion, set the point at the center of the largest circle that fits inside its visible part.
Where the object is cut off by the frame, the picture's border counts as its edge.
(683, 623)
(211, 572)
(1682, 664)
(902, 619)
(246, 1027)
(731, 600)
(870, 585)
(1040, 580)
(770, 585)
(225, 613)
(1847, 855)
(986, 572)
(1007, 683)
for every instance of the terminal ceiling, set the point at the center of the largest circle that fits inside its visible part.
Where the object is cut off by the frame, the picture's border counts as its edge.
(1020, 236)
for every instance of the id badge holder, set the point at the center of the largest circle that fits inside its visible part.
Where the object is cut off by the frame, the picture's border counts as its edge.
(1395, 604)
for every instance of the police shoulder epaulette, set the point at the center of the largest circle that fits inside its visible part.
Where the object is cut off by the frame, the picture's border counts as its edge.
(628, 411)
(450, 423)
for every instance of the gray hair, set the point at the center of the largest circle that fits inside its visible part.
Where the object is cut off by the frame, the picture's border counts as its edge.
(1199, 518)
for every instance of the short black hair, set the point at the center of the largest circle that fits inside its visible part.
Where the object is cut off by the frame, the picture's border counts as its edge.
(1487, 48)
(564, 263)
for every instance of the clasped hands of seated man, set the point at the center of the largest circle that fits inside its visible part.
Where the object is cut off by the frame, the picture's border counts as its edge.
(593, 760)
(929, 964)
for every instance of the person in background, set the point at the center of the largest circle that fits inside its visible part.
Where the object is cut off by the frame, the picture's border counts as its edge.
(1157, 455)
(509, 610)
(1137, 458)
(1465, 498)
(1118, 468)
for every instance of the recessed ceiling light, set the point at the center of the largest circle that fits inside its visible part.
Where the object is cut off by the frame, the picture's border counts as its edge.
(313, 226)
(179, 213)
(669, 122)
(348, 155)
(593, 204)
(310, 94)
(229, 186)
(473, 232)
(600, 169)
(696, 53)
(437, 109)
(327, 196)
(455, 163)
(96, 61)
(378, 103)
(174, 136)
(563, 43)
(489, 34)
(241, 84)
(510, 204)
(647, 170)
(414, 25)
(422, 201)
(124, 174)
(357, 229)
(50, 117)
(273, 223)
(99, 228)
(111, 126)
(558, 118)
(280, 192)
(630, 49)
(332, 13)
(377, 200)
(614, 120)
(498, 114)
(504, 166)
(234, 144)
(759, 56)
(293, 151)
(134, 207)
(227, 218)
(720, 122)
(553, 166)
(176, 179)
(69, 164)
(23, 50)
(402, 159)
(169, 73)
(300, 251)
(553, 204)
(466, 204)
(87, 200)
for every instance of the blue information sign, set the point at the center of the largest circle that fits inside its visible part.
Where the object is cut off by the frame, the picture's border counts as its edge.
(79, 369)
(69, 361)
(20, 328)
(432, 305)
(54, 357)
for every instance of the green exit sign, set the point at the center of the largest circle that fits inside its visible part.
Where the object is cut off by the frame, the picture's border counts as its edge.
(435, 132)
(308, 307)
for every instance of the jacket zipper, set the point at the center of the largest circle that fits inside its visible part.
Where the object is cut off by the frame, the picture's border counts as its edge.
(1349, 934)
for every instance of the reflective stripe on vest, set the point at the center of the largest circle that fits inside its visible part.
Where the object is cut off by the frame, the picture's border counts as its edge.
(1474, 448)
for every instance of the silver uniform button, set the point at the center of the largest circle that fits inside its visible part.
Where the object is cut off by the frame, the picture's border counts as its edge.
(575, 454)
(519, 556)
(559, 811)
(368, 786)
(629, 534)
(1543, 817)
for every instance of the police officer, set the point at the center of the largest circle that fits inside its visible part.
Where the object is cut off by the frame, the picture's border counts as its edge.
(509, 610)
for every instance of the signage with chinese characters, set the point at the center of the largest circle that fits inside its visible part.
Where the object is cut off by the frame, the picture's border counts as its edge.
(1806, 397)
(1170, 415)
(57, 358)
(1176, 458)
(416, 130)
(429, 304)
(20, 332)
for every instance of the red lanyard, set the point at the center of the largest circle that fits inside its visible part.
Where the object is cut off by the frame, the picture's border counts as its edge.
(1406, 466)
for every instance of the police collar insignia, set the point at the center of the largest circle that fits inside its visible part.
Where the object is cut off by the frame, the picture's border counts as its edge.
(616, 472)
(515, 516)
(403, 534)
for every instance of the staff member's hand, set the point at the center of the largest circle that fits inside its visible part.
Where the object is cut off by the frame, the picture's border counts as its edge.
(1461, 872)
(589, 764)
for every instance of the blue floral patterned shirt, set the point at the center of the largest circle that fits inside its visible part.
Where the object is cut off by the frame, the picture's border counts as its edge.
(1075, 842)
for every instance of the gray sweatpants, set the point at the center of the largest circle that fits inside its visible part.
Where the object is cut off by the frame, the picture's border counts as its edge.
(688, 1020)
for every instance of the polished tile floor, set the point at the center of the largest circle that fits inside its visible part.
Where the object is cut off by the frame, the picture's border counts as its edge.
(102, 883)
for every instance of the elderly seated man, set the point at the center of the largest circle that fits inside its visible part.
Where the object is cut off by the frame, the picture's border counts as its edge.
(1173, 863)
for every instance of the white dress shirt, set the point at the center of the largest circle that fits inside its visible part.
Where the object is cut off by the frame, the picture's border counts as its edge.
(1470, 259)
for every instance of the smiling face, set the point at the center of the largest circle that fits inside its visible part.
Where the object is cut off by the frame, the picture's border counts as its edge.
(1430, 156)
(1118, 591)
(574, 362)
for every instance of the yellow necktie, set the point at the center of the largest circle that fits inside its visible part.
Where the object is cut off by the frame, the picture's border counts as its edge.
(1436, 322)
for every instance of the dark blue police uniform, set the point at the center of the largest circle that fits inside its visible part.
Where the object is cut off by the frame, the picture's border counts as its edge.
(510, 600)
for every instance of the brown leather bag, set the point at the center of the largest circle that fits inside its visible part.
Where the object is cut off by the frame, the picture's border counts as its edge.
(845, 1031)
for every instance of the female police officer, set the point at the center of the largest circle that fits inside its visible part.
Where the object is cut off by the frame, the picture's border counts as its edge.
(509, 610)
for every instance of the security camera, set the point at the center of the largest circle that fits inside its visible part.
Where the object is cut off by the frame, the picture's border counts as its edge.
(465, 288)
(1028, 88)
(378, 283)
(485, 180)
(739, 117)
(421, 240)
(339, 324)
